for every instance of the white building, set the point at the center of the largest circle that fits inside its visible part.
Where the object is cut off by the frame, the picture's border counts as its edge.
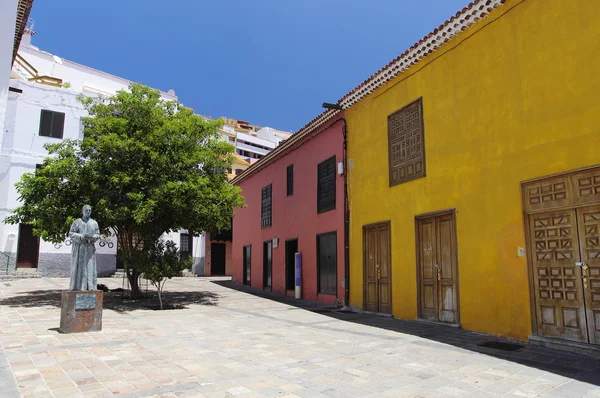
(252, 142)
(40, 106)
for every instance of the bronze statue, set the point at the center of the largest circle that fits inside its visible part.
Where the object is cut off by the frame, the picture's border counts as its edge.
(84, 233)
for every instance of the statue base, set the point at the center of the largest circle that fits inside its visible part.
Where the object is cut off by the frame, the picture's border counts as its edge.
(81, 311)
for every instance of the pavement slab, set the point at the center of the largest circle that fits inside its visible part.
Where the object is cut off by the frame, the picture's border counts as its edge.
(217, 340)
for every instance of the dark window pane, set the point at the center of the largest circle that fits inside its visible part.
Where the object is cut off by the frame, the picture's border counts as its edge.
(52, 124)
(326, 185)
(290, 180)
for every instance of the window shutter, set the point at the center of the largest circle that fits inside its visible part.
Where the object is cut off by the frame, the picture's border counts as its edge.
(406, 143)
(326, 185)
(58, 124)
(266, 207)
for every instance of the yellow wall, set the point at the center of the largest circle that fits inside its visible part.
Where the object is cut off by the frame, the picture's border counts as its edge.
(513, 98)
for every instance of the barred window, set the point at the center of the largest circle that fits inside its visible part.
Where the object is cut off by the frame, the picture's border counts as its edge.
(265, 219)
(185, 244)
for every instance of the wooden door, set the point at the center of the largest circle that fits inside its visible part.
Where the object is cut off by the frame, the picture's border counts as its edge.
(558, 283)
(588, 220)
(437, 268)
(28, 248)
(247, 259)
(327, 263)
(377, 268)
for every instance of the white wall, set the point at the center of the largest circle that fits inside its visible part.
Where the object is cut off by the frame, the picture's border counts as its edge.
(83, 79)
(8, 16)
(23, 148)
(269, 134)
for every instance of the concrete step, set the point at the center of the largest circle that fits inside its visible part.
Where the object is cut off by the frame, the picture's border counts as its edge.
(20, 273)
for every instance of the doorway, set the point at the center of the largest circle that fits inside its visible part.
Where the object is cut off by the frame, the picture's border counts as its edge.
(28, 248)
(377, 275)
(562, 220)
(437, 267)
(291, 248)
(268, 265)
(217, 259)
(247, 259)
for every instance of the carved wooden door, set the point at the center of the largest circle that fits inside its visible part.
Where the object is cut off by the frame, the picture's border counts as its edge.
(558, 282)
(377, 268)
(588, 219)
(437, 268)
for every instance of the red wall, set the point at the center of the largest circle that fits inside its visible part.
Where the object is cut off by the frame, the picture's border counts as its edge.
(293, 216)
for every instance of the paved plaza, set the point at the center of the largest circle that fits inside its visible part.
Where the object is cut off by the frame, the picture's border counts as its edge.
(226, 342)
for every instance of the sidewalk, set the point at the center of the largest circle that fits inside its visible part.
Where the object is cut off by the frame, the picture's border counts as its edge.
(218, 341)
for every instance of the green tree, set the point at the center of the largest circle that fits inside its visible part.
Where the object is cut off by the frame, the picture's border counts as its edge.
(145, 166)
(162, 263)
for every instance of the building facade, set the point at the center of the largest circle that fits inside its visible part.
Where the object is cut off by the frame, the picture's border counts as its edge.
(475, 181)
(252, 143)
(295, 204)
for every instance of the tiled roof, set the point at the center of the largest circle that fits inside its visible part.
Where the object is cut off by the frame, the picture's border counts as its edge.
(470, 14)
(23, 11)
(462, 20)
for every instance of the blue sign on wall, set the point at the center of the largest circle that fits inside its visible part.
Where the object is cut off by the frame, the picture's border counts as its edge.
(298, 264)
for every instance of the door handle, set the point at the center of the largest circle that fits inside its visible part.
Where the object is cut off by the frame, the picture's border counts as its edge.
(378, 273)
(583, 265)
(439, 277)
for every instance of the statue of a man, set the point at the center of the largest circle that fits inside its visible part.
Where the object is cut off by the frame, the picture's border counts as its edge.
(84, 233)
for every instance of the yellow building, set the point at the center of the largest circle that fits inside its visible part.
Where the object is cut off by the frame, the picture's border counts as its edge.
(474, 187)
(237, 166)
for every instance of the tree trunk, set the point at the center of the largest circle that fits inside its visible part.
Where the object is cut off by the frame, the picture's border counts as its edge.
(160, 295)
(133, 277)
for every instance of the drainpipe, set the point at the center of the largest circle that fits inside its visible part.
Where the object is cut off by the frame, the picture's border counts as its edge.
(346, 222)
(339, 107)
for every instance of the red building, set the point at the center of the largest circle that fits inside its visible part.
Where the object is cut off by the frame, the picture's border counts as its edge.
(295, 199)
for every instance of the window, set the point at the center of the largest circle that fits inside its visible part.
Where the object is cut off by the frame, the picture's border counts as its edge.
(327, 263)
(265, 219)
(406, 143)
(290, 180)
(185, 245)
(52, 124)
(326, 185)
(238, 172)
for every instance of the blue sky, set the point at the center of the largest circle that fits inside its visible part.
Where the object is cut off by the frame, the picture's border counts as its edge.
(270, 62)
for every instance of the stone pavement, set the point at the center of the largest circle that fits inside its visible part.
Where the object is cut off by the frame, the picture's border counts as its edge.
(234, 343)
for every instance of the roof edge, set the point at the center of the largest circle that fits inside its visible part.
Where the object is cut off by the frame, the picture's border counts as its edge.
(22, 16)
(281, 149)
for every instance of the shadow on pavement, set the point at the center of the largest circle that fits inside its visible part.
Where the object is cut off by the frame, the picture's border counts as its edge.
(574, 366)
(115, 300)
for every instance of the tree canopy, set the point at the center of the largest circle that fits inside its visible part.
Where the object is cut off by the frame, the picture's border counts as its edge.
(145, 165)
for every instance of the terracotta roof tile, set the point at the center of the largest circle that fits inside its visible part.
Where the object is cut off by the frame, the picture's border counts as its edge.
(23, 11)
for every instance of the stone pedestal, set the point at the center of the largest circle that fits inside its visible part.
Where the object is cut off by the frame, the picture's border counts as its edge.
(81, 311)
